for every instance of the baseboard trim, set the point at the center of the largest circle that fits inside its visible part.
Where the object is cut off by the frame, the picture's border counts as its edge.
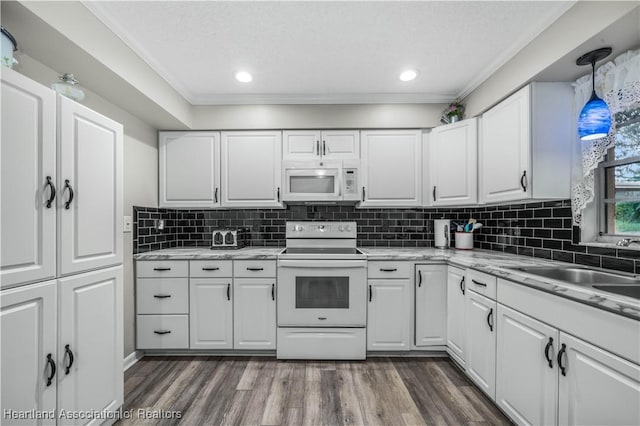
(132, 358)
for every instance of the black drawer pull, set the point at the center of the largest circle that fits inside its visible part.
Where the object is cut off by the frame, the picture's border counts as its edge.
(273, 292)
(388, 269)
(162, 332)
(53, 369)
(370, 293)
(215, 268)
(462, 286)
(161, 296)
(490, 319)
(419, 278)
(523, 181)
(161, 269)
(69, 352)
(481, 284)
(563, 349)
(254, 269)
(546, 352)
(68, 186)
(52, 194)
(228, 291)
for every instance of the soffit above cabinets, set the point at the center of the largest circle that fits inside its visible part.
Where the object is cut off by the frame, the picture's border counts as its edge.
(326, 52)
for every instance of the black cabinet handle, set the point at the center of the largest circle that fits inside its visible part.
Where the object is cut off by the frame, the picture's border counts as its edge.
(254, 269)
(481, 284)
(370, 293)
(53, 369)
(563, 349)
(317, 147)
(162, 332)
(213, 268)
(273, 292)
(462, 286)
(419, 278)
(523, 183)
(324, 148)
(546, 352)
(278, 194)
(228, 291)
(388, 269)
(69, 353)
(363, 193)
(52, 195)
(161, 296)
(490, 319)
(70, 188)
(215, 196)
(161, 269)
(434, 193)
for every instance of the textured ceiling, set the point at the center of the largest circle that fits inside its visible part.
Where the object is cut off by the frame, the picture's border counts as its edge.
(326, 52)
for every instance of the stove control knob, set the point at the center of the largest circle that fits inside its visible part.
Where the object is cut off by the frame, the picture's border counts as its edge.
(348, 228)
(298, 228)
(341, 228)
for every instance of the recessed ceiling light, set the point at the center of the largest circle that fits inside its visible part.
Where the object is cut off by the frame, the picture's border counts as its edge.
(408, 75)
(243, 77)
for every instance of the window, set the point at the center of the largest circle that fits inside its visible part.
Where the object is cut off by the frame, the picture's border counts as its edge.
(619, 179)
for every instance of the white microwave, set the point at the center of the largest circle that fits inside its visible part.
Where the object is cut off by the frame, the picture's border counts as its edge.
(320, 180)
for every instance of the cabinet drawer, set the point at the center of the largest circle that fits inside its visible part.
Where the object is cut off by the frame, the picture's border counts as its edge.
(389, 269)
(162, 268)
(481, 283)
(211, 268)
(163, 331)
(254, 268)
(162, 296)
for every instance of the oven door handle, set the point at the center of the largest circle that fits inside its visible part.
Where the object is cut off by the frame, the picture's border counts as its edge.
(332, 264)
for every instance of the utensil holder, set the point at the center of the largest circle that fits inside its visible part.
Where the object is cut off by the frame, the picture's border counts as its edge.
(464, 240)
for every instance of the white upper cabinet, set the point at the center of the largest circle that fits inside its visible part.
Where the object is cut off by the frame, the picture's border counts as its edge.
(452, 165)
(189, 169)
(251, 169)
(316, 144)
(525, 145)
(28, 176)
(89, 200)
(391, 168)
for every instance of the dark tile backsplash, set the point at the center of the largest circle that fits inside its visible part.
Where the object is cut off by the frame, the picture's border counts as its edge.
(538, 229)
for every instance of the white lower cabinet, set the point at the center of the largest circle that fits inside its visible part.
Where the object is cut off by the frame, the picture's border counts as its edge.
(29, 343)
(388, 316)
(254, 314)
(481, 342)
(456, 324)
(431, 304)
(595, 386)
(527, 374)
(210, 313)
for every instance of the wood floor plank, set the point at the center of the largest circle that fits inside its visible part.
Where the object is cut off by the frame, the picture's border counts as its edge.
(258, 399)
(312, 388)
(330, 406)
(237, 407)
(251, 374)
(276, 402)
(351, 408)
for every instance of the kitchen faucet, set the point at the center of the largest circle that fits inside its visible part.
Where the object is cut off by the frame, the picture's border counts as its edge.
(625, 242)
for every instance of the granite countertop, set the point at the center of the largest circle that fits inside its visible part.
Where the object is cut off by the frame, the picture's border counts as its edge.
(490, 262)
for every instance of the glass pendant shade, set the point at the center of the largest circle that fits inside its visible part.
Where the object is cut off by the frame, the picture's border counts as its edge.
(68, 86)
(595, 119)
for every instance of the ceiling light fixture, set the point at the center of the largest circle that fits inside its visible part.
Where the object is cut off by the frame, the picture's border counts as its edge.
(595, 117)
(243, 77)
(408, 75)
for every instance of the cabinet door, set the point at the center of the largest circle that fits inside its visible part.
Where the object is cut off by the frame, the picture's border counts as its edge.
(28, 324)
(526, 372)
(340, 144)
(505, 150)
(254, 313)
(301, 144)
(453, 164)
(251, 169)
(597, 388)
(456, 327)
(210, 313)
(90, 342)
(90, 189)
(388, 316)
(481, 342)
(28, 162)
(431, 304)
(189, 169)
(391, 168)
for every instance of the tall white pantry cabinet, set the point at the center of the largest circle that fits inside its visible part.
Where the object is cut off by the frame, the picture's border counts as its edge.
(61, 261)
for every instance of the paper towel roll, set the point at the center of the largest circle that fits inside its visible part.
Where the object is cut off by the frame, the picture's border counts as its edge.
(442, 233)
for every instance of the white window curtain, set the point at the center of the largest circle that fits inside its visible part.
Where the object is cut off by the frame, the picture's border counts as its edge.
(618, 84)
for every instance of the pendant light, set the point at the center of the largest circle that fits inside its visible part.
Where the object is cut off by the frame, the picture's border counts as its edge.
(595, 117)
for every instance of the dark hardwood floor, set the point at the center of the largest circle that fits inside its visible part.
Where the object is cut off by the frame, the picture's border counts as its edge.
(264, 391)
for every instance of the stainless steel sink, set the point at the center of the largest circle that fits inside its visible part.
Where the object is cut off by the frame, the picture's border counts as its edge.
(575, 275)
(629, 290)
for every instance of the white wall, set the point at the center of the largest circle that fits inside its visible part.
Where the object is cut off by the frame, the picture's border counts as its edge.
(140, 173)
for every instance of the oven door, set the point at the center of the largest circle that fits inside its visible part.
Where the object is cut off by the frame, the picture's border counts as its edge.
(322, 293)
(309, 183)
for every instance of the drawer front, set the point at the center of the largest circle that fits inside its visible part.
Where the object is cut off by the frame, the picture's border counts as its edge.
(162, 268)
(162, 296)
(481, 283)
(211, 268)
(389, 269)
(321, 343)
(163, 331)
(254, 268)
